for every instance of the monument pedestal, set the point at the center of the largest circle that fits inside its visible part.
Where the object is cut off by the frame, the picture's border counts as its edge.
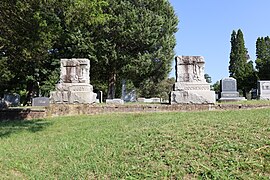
(73, 93)
(193, 97)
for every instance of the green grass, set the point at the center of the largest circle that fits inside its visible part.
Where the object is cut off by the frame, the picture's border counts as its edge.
(192, 145)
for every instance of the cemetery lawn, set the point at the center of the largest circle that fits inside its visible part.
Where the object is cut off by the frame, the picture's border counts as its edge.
(184, 145)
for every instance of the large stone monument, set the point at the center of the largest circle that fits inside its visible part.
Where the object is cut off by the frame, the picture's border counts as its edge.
(228, 90)
(264, 90)
(191, 86)
(74, 85)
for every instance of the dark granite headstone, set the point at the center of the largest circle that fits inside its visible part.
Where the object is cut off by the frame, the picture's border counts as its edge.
(12, 99)
(40, 101)
(228, 90)
(228, 84)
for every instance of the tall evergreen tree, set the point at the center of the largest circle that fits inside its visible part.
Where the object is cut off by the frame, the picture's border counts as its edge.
(136, 44)
(233, 54)
(240, 67)
(263, 58)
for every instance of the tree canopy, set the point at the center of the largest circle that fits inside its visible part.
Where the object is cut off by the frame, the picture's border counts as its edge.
(240, 67)
(263, 57)
(136, 43)
(124, 39)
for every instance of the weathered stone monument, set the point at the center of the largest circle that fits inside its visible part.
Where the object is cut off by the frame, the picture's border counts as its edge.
(228, 90)
(191, 86)
(264, 90)
(74, 85)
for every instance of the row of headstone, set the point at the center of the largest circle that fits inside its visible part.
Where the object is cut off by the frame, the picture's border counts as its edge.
(228, 90)
(190, 86)
(13, 100)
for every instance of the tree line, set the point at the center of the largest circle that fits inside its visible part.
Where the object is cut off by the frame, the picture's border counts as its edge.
(124, 39)
(241, 67)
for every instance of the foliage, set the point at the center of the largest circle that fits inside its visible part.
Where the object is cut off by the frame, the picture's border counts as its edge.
(263, 58)
(123, 39)
(197, 145)
(34, 33)
(161, 89)
(207, 77)
(28, 30)
(135, 44)
(216, 87)
(239, 67)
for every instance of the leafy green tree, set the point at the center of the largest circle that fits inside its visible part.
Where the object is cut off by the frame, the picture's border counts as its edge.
(263, 58)
(216, 87)
(123, 39)
(26, 37)
(161, 89)
(207, 78)
(240, 67)
(135, 44)
(35, 34)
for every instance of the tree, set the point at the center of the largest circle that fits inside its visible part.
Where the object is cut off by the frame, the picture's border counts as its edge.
(216, 87)
(161, 89)
(207, 78)
(136, 44)
(240, 67)
(123, 39)
(35, 33)
(26, 36)
(263, 58)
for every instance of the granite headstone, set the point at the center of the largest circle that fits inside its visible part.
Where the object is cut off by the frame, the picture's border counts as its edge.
(12, 99)
(228, 90)
(40, 101)
(264, 90)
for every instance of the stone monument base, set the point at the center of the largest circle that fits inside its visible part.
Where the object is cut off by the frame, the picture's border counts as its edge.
(230, 99)
(228, 96)
(73, 93)
(193, 97)
(264, 97)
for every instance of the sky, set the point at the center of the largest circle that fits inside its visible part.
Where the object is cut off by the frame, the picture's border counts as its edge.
(205, 28)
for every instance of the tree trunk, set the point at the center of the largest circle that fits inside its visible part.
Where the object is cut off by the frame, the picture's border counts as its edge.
(29, 95)
(244, 93)
(111, 86)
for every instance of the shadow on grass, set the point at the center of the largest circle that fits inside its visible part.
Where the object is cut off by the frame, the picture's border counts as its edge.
(9, 127)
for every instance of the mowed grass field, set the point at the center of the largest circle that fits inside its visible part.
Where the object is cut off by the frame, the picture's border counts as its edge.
(184, 145)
